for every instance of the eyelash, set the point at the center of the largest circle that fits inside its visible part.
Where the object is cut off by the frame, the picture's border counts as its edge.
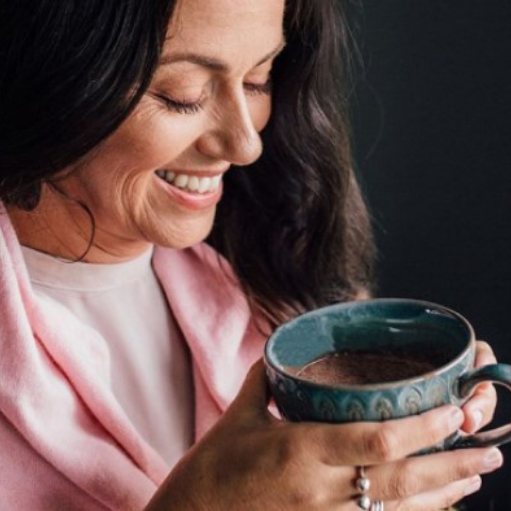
(191, 108)
(182, 107)
(255, 89)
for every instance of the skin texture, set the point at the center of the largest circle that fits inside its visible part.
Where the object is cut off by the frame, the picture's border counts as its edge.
(250, 459)
(225, 108)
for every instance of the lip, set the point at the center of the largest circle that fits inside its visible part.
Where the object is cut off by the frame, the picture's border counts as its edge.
(197, 172)
(193, 201)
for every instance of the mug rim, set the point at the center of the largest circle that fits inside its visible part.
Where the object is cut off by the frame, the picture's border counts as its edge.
(383, 385)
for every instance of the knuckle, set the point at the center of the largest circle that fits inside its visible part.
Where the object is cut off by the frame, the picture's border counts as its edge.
(300, 495)
(306, 496)
(294, 450)
(463, 469)
(316, 499)
(286, 450)
(305, 489)
(382, 444)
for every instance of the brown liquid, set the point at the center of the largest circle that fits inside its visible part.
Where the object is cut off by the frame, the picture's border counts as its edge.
(356, 368)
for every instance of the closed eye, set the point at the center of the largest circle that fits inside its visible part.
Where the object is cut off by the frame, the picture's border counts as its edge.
(259, 88)
(182, 107)
(194, 107)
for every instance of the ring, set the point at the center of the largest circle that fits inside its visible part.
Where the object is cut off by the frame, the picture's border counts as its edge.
(362, 484)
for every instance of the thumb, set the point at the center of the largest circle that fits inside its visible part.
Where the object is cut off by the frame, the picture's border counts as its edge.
(253, 398)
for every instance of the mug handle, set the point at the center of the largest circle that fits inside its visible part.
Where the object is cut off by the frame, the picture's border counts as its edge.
(496, 373)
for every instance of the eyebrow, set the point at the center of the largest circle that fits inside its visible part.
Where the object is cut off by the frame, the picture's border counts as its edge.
(212, 63)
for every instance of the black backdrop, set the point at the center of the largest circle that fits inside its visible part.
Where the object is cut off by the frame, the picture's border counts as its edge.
(432, 130)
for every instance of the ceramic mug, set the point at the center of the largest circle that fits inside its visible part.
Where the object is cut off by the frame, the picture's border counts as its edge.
(415, 328)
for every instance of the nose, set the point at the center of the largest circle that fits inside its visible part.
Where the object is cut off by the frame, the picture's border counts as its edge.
(233, 136)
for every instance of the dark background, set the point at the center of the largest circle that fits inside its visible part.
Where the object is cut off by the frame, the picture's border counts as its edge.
(432, 125)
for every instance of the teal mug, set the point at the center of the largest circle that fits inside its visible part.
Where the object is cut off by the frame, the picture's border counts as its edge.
(376, 360)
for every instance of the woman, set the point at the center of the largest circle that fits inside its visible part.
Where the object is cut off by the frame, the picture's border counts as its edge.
(123, 364)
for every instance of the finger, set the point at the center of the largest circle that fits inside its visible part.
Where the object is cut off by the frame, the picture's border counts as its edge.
(438, 499)
(480, 408)
(253, 398)
(371, 443)
(420, 474)
(484, 354)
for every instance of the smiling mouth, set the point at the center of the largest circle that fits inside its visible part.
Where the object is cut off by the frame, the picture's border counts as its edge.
(191, 184)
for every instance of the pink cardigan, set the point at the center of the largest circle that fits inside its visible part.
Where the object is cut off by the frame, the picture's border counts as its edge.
(65, 442)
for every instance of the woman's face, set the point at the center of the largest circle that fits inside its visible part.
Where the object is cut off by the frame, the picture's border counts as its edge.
(158, 178)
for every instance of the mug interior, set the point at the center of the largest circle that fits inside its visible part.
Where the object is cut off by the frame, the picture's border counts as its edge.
(406, 328)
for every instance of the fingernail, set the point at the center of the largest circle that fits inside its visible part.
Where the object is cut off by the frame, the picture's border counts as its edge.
(492, 460)
(473, 485)
(477, 419)
(456, 419)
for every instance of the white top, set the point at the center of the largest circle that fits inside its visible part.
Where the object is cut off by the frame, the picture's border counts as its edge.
(150, 364)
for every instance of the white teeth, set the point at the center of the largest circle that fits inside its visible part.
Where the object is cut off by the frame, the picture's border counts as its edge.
(181, 181)
(215, 183)
(205, 183)
(191, 183)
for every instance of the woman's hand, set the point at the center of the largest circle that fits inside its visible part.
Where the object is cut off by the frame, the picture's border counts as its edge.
(480, 408)
(252, 461)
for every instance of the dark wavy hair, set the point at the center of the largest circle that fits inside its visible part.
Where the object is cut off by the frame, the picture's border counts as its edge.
(70, 73)
(293, 225)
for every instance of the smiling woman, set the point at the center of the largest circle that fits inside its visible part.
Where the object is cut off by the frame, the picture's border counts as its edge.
(202, 112)
(176, 181)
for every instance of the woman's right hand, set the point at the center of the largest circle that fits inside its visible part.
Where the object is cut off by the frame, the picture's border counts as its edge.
(252, 461)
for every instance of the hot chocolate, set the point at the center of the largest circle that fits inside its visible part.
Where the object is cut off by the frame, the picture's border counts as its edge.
(363, 367)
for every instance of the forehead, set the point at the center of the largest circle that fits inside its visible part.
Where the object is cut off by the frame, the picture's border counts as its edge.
(232, 28)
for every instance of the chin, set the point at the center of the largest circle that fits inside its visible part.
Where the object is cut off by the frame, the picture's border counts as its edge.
(185, 237)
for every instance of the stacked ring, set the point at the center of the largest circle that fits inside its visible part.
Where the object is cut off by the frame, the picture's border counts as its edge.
(362, 485)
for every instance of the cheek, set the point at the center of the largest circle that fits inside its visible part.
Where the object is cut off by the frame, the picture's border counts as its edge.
(117, 199)
(104, 192)
(148, 146)
(151, 138)
(260, 112)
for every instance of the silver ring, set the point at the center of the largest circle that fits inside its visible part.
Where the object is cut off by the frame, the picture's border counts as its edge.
(362, 484)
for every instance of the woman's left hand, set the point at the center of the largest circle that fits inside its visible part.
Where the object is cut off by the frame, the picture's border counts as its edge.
(480, 407)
